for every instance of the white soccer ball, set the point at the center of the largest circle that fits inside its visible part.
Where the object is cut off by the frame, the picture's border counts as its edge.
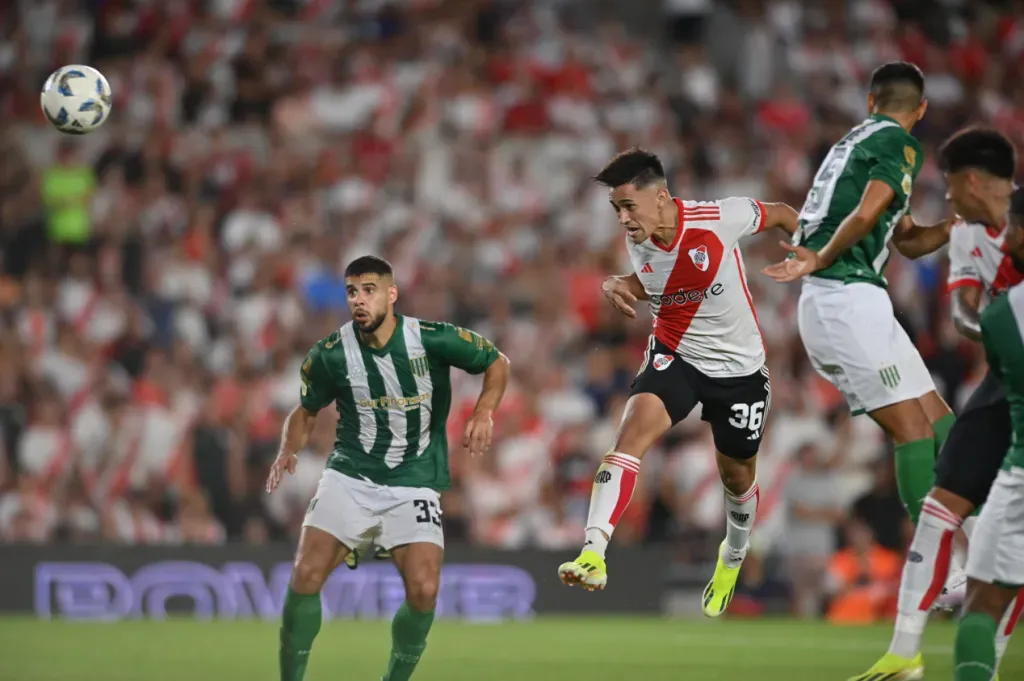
(76, 99)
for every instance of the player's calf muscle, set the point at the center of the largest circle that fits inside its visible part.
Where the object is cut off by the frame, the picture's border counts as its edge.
(737, 475)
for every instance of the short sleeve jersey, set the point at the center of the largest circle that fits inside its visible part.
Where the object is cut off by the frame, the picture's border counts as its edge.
(877, 149)
(393, 401)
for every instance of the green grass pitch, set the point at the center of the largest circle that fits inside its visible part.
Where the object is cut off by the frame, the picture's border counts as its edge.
(562, 649)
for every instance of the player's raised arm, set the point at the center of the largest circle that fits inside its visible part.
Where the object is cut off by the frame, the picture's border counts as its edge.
(878, 194)
(781, 215)
(914, 240)
(317, 392)
(474, 354)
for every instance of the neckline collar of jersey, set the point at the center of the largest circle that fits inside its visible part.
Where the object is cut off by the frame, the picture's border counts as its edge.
(679, 230)
(386, 348)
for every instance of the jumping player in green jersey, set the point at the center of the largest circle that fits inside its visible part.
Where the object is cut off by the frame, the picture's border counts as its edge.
(858, 204)
(995, 561)
(389, 377)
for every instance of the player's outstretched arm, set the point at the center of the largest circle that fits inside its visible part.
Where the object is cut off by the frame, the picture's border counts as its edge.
(294, 435)
(857, 225)
(914, 240)
(781, 215)
(480, 427)
(966, 311)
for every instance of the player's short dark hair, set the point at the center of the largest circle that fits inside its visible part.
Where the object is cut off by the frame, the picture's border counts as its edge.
(634, 166)
(1017, 206)
(897, 86)
(369, 264)
(980, 148)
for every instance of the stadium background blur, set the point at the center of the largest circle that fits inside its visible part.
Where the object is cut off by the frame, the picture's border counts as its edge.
(162, 278)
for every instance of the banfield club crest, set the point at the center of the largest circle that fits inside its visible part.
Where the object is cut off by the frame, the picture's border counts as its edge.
(699, 256)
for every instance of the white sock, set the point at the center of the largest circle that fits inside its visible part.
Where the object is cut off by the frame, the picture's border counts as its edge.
(1006, 627)
(740, 512)
(924, 575)
(613, 488)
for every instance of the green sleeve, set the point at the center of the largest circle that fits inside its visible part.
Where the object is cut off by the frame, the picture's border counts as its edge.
(318, 388)
(458, 347)
(895, 158)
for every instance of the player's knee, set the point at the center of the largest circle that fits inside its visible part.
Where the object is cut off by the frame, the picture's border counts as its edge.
(987, 599)
(309, 574)
(421, 592)
(905, 422)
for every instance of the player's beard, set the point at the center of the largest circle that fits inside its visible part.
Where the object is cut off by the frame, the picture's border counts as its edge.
(372, 324)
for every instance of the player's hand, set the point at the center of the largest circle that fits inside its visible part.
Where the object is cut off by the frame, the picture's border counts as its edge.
(478, 434)
(804, 262)
(618, 294)
(283, 462)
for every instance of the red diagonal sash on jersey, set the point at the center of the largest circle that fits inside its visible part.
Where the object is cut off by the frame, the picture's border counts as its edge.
(696, 246)
(85, 315)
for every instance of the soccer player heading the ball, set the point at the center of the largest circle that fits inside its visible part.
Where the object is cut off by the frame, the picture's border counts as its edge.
(706, 347)
(389, 377)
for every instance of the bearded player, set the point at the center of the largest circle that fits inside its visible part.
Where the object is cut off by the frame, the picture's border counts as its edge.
(979, 165)
(706, 347)
(995, 562)
(389, 377)
(858, 205)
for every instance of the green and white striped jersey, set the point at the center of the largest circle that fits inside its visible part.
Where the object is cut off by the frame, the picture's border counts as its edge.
(1002, 334)
(877, 149)
(393, 401)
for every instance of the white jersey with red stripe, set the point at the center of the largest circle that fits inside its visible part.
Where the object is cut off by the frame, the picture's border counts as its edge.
(698, 287)
(977, 258)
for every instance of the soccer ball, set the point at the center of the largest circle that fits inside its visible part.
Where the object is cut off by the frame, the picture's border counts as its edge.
(76, 99)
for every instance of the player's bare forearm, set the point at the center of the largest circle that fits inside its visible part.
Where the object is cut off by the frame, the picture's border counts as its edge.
(296, 431)
(635, 287)
(858, 224)
(781, 215)
(966, 302)
(495, 382)
(914, 240)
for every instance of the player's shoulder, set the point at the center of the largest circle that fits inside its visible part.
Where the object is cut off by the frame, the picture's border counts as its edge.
(726, 210)
(427, 326)
(328, 343)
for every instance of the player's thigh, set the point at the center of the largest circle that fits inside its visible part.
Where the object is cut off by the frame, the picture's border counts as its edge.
(973, 453)
(420, 563)
(316, 557)
(996, 553)
(737, 410)
(854, 340)
(663, 393)
(339, 508)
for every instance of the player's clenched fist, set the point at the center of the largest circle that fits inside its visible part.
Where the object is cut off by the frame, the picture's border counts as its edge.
(283, 462)
(616, 290)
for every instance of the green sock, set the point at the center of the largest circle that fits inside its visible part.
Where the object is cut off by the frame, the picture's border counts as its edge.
(409, 632)
(915, 474)
(300, 623)
(974, 656)
(941, 429)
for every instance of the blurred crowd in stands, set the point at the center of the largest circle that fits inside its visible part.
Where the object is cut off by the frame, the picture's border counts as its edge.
(161, 278)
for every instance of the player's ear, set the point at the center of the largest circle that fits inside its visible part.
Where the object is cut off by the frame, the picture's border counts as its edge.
(871, 103)
(921, 108)
(392, 294)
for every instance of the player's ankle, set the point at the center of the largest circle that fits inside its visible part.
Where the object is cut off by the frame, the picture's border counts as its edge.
(596, 541)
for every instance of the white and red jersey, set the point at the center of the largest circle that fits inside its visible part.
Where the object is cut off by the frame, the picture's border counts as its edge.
(977, 258)
(698, 287)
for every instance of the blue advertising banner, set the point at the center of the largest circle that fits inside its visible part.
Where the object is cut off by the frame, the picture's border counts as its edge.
(113, 583)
